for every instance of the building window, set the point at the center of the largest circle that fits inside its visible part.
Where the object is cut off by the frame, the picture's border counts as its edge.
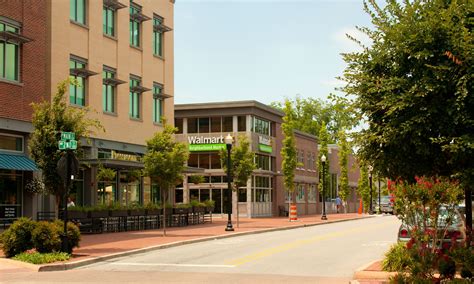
(157, 37)
(77, 11)
(216, 124)
(300, 194)
(134, 111)
(262, 189)
(261, 126)
(312, 193)
(178, 123)
(227, 124)
(262, 162)
(241, 123)
(242, 194)
(108, 92)
(108, 15)
(157, 104)
(192, 125)
(77, 86)
(135, 25)
(9, 55)
(11, 143)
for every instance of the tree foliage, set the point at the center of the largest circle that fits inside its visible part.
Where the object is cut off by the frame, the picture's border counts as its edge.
(363, 189)
(323, 150)
(288, 150)
(310, 113)
(344, 151)
(164, 161)
(242, 162)
(49, 120)
(414, 85)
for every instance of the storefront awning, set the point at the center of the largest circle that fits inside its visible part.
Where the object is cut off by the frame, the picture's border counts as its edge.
(16, 162)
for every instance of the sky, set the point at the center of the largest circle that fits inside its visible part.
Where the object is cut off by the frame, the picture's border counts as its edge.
(264, 50)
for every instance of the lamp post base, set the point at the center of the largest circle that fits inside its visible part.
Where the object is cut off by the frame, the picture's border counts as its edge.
(229, 227)
(323, 217)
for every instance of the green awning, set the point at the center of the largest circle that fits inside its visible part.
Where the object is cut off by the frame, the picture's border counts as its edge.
(16, 162)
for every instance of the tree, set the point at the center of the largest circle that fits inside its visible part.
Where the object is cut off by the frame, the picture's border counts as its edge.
(363, 188)
(310, 113)
(323, 150)
(164, 163)
(414, 85)
(242, 164)
(288, 150)
(344, 151)
(49, 120)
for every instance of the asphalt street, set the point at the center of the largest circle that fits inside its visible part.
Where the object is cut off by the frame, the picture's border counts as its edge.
(327, 253)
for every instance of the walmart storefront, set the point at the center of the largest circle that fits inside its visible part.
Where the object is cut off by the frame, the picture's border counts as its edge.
(203, 128)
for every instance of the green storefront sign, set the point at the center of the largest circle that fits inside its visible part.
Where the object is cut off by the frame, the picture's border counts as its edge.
(265, 148)
(205, 147)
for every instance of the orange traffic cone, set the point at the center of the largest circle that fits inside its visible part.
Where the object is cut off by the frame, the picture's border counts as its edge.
(360, 206)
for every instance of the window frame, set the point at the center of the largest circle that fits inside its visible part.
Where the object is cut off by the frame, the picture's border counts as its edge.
(133, 96)
(105, 21)
(75, 19)
(157, 98)
(15, 136)
(4, 66)
(105, 95)
(158, 37)
(135, 9)
(76, 61)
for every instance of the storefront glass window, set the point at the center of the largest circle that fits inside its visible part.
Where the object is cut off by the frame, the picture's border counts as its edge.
(215, 161)
(242, 194)
(300, 193)
(204, 161)
(262, 189)
(194, 194)
(192, 125)
(179, 197)
(193, 160)
(178, 123)
(261, 126)
(204, 125)
(312, 193)
(77, 190)
(227, 124)
(242, 123)
(204, 194)
(106, 192)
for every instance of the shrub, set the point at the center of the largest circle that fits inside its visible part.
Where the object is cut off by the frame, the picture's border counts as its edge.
(46, 237)
(40, 258)
(17, 238)
(73, 234)
(209, 203)
(397, 258)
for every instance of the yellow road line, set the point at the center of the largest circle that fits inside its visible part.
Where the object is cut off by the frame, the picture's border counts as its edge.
(298, 243)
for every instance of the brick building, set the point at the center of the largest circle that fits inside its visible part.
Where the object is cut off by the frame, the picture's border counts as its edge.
(23, 64)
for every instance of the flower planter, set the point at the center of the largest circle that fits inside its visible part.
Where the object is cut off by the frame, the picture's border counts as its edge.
(119, 213)
(199, 209)
(180, 210)
(136, 212)
(74, 214)
(99, 214)
(153, 212)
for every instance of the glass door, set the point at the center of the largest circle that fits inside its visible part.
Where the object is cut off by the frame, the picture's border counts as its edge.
(217, 197)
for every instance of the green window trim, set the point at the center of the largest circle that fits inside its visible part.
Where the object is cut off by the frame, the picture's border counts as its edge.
(108, 93)
(134, 109)
(9, 56)
(108, 15)
(158, 104)
(77, 92)
(77, 11)
(157, 38)
(135, 26)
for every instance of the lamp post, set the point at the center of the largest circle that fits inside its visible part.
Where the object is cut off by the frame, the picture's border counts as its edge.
(370, 187)
(323, 162)
(228, 141)
(380, 208)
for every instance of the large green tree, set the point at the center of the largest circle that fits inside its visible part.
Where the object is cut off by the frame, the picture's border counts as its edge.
(242, 164)
(288, 150)
(324, 150)
(414, 86)
(344, 151)
(310, 113)
(164, 163)
(49, 120)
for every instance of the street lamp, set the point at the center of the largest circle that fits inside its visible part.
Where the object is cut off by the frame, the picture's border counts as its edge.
(323, 161)
(228, 142)
(370, 186)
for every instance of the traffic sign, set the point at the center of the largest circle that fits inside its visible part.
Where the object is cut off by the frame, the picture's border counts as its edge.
(67, 141)
(62, 145)
(68, 136)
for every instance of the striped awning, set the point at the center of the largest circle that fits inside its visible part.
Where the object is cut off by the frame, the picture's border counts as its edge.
(16, 162)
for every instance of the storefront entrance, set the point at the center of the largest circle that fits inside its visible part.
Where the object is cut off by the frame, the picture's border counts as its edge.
(218, 195)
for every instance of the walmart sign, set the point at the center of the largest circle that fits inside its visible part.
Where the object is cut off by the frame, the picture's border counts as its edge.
(203, 144)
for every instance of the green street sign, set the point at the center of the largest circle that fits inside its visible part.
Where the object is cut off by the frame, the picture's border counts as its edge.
(68, 136)
(72, 144)
(62, 145)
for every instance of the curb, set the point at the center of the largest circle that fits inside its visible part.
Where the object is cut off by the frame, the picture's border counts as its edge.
(80, 263)
(370, 275)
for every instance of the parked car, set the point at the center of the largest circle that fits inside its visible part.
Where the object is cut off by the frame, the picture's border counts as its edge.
(455, 231)
(386, 204)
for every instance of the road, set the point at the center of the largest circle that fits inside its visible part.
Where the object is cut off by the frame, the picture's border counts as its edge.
(321, 254)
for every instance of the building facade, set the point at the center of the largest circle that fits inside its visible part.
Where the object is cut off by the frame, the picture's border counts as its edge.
(203, 127)
(23, 64)
(119, 55)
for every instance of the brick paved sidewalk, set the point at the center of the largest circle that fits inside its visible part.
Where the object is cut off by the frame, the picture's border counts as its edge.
(98, 245)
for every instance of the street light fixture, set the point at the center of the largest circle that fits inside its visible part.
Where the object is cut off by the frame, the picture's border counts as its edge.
(228, 142)
(323, 162)
(371, 211)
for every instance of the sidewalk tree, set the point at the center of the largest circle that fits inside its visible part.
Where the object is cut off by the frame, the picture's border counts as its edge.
(414, 84)
(164, 163)
(310, 113)
(344, 151)
(323, 150)
(242, 164)
(288, 150)
(363, 188)
(49, 120)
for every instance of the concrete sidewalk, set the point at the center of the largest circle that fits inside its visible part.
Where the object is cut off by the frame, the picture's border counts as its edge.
(100, 247)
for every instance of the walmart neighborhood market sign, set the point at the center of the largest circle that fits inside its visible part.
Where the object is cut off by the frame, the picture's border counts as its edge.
(201, 143)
